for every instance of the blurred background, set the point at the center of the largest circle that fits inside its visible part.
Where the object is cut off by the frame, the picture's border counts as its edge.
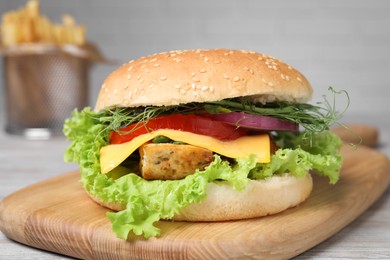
(340, 43)
(344, 44)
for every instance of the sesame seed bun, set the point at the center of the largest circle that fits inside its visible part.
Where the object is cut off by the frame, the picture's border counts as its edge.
(179, 77)
(259, 198)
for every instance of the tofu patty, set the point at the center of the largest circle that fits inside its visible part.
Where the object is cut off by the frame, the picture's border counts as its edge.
(166, 161)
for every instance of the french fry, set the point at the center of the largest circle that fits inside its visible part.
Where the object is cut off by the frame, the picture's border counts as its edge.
(27, 25)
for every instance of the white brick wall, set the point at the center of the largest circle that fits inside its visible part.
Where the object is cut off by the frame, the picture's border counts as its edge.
(339, 43)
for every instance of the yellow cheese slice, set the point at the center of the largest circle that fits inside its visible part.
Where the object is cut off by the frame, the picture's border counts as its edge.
(114, 154)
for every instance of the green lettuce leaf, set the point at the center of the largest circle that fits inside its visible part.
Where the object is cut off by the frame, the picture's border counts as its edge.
(149, 201)
(146, 202)
(319, 153)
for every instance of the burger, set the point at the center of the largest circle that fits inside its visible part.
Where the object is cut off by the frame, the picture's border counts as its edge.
(202, 135)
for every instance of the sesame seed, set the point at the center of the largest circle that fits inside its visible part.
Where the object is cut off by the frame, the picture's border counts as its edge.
(106, 90)
(156, 65)
(260, 58)
(193, 86)
(204, 88)
(143, 66)
(206, 59)
(287, 78)
(163, 78)
(226, 76)
(128, 76)
(173, 54)
(196, 79)
(226, 54)
(130, 68)
(217, 61)
(177, 86)
(289, 67)
(142, 92)
(142, 81)
(246, 68)
(126, 101)
(236, 78)
(139, 77)
(193, 74)
(130, 94)
(244, 51)
(183, 91)
(211, 88)
(282, 76)
(126, 86)
(203, 70)
(299, 79)
(270, 84)
(177, 59)
(131, 61)
(151, 86)
(153, 60)
(115, 91)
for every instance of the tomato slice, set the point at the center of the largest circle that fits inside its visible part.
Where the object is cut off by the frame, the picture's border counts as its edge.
(189, 123)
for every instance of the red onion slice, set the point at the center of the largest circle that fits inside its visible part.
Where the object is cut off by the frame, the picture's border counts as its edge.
(257, 122)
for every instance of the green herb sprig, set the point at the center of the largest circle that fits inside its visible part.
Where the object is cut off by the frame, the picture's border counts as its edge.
(119, 117)
(313, 118)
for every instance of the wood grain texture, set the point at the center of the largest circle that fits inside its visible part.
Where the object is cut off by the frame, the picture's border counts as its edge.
(57, 215)
(358, 134)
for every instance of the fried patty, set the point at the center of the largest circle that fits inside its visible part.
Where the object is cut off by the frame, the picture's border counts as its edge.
(166, 161)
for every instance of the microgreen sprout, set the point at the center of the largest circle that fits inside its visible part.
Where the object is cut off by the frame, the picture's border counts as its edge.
(313, 118)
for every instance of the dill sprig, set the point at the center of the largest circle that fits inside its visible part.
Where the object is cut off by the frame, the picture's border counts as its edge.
(313, 118)
(118, 117)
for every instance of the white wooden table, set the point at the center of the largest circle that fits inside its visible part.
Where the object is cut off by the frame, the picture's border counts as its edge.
(24, 162)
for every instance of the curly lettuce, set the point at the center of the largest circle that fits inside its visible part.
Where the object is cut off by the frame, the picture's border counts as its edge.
(146, 202)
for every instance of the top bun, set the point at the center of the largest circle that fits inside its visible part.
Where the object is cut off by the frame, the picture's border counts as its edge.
(179, 77)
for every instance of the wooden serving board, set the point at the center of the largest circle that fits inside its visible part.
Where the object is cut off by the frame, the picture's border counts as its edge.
(58, 216)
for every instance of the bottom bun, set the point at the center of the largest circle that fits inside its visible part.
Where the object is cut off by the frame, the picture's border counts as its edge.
(259, 198)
